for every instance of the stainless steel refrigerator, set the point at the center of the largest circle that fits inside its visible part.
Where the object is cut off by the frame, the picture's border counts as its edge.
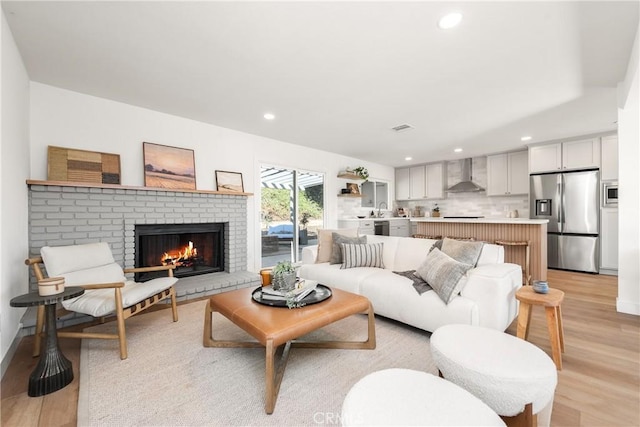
(570, 201)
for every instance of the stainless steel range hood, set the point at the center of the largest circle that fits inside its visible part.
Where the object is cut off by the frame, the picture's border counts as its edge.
(466, 185)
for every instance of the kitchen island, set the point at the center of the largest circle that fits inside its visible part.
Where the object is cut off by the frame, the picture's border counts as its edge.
(491, 229)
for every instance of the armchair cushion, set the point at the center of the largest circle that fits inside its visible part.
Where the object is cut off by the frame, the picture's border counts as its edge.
(91, 264)
(101, 302)
(64, 259)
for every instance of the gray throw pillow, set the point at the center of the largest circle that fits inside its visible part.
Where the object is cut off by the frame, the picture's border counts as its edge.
(444, 274)
(463, 251)
(336, 250)
(363, 255)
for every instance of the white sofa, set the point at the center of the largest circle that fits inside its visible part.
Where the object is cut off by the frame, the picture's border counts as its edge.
(487, 299)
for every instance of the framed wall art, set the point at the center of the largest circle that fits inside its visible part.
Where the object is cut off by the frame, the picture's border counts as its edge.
(353, 188)
(69, 164)
(229, 181)
(169, 167)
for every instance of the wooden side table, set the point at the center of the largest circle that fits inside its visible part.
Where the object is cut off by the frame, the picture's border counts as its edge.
(54, 371)
(551, 302)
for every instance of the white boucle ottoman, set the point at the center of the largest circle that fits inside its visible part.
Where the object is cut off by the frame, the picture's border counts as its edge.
(395, 397)
(505, 372)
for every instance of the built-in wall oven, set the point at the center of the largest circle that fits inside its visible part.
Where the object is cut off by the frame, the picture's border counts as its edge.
(610, 193)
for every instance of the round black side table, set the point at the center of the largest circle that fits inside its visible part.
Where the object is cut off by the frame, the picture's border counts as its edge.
(53, 371)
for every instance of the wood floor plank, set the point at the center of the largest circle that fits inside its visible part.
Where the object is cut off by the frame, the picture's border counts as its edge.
(598, 386)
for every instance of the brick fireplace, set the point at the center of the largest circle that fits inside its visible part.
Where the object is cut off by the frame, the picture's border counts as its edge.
(67, 214)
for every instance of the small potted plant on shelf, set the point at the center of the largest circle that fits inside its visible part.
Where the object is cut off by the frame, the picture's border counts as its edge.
(435, 212)
(284, 276)
(362, 172)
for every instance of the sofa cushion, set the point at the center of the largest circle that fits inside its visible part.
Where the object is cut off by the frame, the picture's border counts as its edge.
(363, 255)
(64, 259)
(389, 249)
(466, 252)
(338, 239)
(491, 254)
(444, 274)
(325, 242)
(411, 253)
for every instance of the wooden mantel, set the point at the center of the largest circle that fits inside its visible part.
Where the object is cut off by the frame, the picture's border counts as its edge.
(125, 187)
(492, 229)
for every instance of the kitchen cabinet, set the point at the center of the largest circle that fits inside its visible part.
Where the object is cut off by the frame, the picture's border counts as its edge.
(507, 174)
(420, 182)
(364, 226)
(399, 228)
(580, 154)
(609, 158)
(608, 240)
(403, 185)
(435, 176)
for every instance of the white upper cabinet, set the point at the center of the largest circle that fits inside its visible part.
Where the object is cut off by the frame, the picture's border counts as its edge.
(420, 182)
(565, 156)
(417, 180)
(545, 158)
(507, 174)
(581, 154)
(403, 184)
(435, 174)
(609, 169)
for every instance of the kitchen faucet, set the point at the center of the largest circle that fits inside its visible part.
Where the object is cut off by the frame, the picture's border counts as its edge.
(380, 207)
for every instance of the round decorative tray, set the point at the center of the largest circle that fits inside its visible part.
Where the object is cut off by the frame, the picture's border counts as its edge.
(320, 294)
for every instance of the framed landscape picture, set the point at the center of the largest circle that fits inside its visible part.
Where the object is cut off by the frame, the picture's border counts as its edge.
(229, 181)
(169, 167)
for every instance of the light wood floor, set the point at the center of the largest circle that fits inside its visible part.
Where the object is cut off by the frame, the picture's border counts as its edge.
(598, 386)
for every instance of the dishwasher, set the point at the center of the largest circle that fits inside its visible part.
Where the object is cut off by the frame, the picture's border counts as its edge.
(381, 228)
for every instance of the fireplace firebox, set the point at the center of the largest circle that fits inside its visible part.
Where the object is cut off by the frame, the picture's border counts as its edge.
(193, 248)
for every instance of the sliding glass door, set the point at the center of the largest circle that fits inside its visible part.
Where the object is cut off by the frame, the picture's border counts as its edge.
(289, 197)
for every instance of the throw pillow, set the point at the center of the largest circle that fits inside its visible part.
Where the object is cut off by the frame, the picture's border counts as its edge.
(325, 242)
(363, 255)
(443, 274)
(338, 239)
(466, 252)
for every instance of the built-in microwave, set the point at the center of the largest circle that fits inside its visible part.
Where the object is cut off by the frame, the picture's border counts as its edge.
(610, 193)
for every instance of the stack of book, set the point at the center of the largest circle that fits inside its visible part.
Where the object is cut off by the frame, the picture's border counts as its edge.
(297, 294)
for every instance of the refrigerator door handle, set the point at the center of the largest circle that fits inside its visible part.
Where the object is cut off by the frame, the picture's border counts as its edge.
(560, 206)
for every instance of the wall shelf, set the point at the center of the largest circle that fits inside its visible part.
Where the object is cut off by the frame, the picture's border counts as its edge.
(349, 175)
(350, 195)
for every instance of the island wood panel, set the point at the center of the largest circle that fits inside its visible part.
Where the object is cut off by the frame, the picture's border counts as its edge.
(536, 234)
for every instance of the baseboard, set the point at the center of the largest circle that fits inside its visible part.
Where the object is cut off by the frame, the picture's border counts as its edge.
(8, 357)
(608, 272)
(626, 306)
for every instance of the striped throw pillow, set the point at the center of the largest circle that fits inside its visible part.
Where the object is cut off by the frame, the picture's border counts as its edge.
(362, 255)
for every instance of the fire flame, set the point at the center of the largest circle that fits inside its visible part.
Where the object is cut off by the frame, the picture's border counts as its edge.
(180, 256)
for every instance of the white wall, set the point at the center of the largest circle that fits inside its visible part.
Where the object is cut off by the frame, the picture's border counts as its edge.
(70, 119)
(629, 179)
(14, 170)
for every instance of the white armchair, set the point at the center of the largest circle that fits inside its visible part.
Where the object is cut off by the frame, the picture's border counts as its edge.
(108, 291)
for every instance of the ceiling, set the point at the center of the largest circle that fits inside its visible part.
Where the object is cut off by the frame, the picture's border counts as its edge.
(339, 75)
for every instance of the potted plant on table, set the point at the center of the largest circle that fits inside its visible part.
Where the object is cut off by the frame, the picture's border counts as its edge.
(284, 276)
(435, 212)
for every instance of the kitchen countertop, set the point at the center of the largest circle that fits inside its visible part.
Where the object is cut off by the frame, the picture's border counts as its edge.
(391, 218)
(482, 220)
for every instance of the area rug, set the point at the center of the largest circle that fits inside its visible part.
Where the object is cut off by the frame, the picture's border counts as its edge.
(170, 379)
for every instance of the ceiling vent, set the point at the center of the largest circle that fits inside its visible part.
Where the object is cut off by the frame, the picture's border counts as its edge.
(402, 127)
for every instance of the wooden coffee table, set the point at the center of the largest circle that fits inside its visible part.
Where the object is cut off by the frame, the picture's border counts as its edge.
(277, 328)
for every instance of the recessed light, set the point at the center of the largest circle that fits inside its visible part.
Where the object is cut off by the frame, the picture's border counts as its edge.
(269, 116)
(450, 20)
(408, 158)
(525, 138)
(457, 150)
